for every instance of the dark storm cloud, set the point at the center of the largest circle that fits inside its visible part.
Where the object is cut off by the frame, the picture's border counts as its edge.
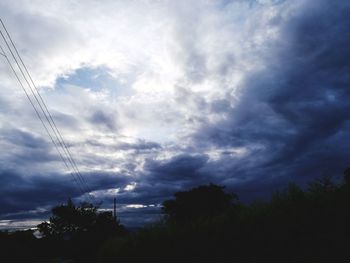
(23, 138)
(104, 119)
(24, 193)
(148, 193)
(161, 179)
(105, 180)
(24, 148)
(20, 193)
(296, 111)
(180, 167)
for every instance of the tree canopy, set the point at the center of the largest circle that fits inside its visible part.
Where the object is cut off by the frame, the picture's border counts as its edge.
(69, 220)
(205, 201)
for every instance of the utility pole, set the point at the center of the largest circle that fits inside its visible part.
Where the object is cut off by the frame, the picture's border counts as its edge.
(115, 209)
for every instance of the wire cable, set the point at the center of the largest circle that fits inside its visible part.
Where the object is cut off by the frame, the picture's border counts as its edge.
(37, 113)
(49, 119)
(80, 181)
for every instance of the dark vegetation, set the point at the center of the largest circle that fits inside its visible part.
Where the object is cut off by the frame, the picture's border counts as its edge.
(204, 224)
(73, 234)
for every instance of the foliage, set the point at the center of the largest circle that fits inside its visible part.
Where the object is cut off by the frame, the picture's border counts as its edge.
(198, 203)
(69, 220)
(76, 231)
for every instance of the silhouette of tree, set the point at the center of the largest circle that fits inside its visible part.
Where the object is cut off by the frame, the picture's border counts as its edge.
(322, 186)
(68, 221)
(347, 176)
(198, 203)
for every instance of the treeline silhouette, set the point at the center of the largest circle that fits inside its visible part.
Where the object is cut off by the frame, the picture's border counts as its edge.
(203, 224)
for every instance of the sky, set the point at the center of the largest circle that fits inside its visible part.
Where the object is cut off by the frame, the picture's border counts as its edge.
(158, 96)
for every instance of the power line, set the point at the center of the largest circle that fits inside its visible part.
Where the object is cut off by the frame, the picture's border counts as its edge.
(36, 111)
(79, 179)
(38, 115)
(46, 111)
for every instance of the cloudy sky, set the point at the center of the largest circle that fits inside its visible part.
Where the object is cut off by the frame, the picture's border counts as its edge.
(156, 96)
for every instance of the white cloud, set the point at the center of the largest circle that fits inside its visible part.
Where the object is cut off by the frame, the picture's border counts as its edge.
(161, 47)
(130, 187)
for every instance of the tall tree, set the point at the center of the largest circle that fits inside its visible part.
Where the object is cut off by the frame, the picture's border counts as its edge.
(201, 202)
(69, 220)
